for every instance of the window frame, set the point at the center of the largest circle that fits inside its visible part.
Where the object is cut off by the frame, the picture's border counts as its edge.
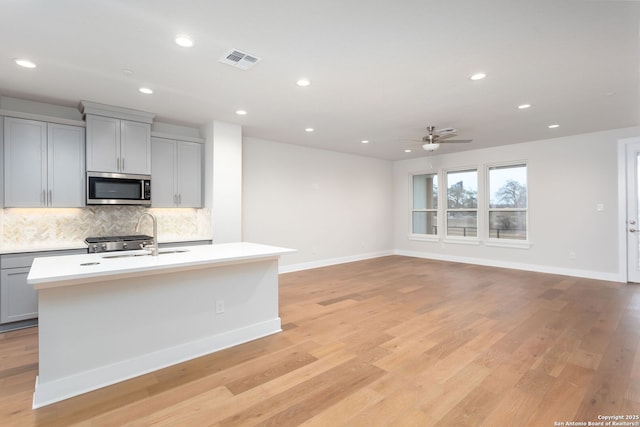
(505, 242)
(445, 207)
(483, 209)
(417, 236)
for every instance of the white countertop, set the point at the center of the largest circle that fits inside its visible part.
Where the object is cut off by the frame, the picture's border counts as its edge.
(41, 247)
(55, 271)
(61, 245)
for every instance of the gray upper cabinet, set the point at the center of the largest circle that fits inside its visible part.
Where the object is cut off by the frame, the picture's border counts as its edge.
(65, 165)
(43, 164)
(176, 179)
(163, 175)
(116, 145)
(2, 162)
(189, 172)
(118, 139)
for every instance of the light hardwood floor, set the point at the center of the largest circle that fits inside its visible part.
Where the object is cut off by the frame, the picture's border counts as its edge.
(393, 341)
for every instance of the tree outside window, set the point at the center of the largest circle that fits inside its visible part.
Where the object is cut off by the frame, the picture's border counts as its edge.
(462, 203)
(508, 202)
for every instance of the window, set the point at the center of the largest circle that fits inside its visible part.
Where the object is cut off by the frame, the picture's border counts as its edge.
(508, 202)
(424, 215)
(462, 203)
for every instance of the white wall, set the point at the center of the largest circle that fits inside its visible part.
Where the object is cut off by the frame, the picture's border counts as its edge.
(567, 179)
(223, 180)
(330, 207)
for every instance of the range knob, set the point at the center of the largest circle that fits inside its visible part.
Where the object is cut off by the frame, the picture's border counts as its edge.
(94, 248)
(104, 246)
(124, 245)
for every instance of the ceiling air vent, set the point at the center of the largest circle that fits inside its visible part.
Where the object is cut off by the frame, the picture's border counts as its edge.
(238, 59)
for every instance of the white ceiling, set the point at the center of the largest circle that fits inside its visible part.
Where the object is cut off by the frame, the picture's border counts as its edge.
(381, 70)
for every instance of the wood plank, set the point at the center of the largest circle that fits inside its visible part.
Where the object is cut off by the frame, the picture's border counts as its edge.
(265, 372)
(391, 341)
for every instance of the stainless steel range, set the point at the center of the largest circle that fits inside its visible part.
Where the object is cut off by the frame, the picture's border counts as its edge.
(118, 243)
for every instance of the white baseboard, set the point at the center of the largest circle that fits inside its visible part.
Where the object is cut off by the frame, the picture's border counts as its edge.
(332, 261)
(598, 275)
(587, 274)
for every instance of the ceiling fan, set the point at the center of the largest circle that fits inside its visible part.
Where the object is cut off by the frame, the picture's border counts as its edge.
(435, 137)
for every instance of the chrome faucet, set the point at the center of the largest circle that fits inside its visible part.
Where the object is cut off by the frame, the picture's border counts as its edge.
(154, 248)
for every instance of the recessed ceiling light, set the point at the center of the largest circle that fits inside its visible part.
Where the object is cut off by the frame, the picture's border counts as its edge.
(241, 112)
(478, 76)
(407, 151)
(25, 63)
(365, 141)
(309, 129)
(184, 41)
(303, 82)
(524, 106)
(146, 90)
(127, 72)
(553, 126)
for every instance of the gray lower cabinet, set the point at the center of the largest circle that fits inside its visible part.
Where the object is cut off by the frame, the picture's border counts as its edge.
(18, 299)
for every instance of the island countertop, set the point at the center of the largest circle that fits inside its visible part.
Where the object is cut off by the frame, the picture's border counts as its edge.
(109, 317)
(48, 272)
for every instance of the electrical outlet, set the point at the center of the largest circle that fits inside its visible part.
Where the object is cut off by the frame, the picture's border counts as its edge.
(572, 255)
(219, 306)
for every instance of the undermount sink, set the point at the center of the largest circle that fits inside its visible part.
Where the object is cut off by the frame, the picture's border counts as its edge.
(160, 252)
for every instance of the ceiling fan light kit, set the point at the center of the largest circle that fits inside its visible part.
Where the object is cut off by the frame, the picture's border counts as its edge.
(431, 146)
(436, 137)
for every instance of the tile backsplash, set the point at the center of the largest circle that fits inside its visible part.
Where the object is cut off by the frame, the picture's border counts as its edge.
(59, 227)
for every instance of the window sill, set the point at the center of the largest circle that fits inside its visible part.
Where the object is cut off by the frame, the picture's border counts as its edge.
(423, 237)
(504, 243)
(462, 240)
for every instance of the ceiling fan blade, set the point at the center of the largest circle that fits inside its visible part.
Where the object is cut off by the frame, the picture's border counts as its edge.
(444, 131)
(456, 141)
(445, 136)
(432, 140)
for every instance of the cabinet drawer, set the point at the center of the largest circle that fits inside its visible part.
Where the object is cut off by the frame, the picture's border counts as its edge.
(25, 259)
(17, 260)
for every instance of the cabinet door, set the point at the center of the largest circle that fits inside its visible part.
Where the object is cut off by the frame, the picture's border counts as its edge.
(18, 299)
(65, 167)
(189, 174)
(1, 161)
(25, 148)
(163, 194)
(135, 146)
(103, 144)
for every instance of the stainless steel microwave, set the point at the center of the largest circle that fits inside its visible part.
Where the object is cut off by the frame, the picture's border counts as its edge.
(105, 188)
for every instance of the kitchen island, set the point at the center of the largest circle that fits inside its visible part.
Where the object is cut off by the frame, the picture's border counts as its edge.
(105, 318)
